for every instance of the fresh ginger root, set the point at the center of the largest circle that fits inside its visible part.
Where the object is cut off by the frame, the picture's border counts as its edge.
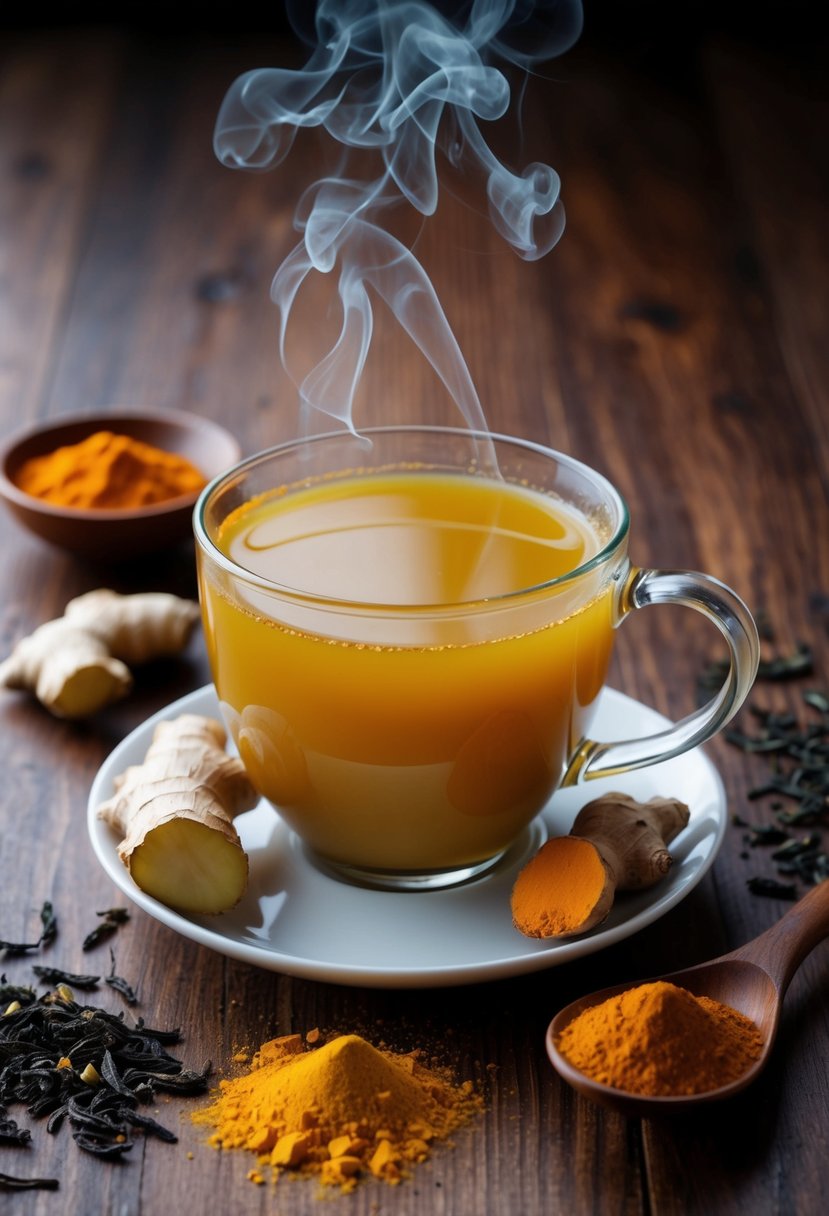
(176, 813)
(615, 844)
(77, 664)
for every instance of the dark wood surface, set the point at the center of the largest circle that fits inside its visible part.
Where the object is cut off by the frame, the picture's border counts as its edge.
(676, 339)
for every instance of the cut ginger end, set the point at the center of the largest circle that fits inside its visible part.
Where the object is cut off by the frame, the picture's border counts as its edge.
(565, 889)
(88, 688)
(190, 867)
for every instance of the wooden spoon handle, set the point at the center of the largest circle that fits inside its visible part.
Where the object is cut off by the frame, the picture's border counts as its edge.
(783, 947)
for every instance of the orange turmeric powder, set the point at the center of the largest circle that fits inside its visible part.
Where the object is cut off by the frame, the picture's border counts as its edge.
(336, 1112)
(661, 1040)
(108, 472)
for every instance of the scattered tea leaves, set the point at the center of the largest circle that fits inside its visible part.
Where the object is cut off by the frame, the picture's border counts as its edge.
(798, 781)
(47, 934)
(778, 667)
(150, 1126)
(120, 984)
(772, 888)
(765, 834)
(817, 700)
(749, 743)
(81, 1066)
(9, 1183)
(18, 947)
(100, 1146)
(110, 1073)
(796, 848)
(183, 1081)
(10, 1131)
(111, 920)
(78, 1065)
(53, 975)
(786, 667)
(804, 859)
(49, 922)
(9, 993)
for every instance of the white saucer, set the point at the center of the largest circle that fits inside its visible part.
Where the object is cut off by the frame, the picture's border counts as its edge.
(297, 920)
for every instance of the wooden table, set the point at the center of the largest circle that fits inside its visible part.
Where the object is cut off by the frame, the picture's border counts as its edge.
(675, 339)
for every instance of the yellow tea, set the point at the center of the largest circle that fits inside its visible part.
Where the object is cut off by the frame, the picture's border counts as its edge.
(402, 707)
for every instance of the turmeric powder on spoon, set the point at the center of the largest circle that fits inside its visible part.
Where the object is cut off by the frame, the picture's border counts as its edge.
(108, 472)
(660, 1040)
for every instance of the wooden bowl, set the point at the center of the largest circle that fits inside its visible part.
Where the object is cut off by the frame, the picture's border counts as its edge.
(124, 533)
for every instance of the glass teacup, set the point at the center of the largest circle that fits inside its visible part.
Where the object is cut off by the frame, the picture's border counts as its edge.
(409, 631)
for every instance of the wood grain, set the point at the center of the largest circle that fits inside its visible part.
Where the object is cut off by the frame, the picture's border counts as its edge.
(57, 95)
(674, 339)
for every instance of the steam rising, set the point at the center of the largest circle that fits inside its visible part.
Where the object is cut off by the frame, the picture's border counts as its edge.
(403, 80)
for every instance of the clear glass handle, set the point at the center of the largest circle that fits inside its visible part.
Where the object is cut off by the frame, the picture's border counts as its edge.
(734, 621)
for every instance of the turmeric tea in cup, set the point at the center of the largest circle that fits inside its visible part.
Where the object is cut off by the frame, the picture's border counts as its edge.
(409, 631)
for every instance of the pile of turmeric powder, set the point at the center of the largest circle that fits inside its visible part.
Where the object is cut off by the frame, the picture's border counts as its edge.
(337, 1111)
(661, 1040)
(108, 472)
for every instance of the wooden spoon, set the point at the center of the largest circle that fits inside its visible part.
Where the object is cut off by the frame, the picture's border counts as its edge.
(752, 980)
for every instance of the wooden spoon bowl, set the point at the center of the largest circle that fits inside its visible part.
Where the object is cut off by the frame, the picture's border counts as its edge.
(753, 980)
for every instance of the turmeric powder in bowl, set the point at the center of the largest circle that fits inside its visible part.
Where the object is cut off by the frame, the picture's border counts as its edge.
(109, 471)
(72, 489)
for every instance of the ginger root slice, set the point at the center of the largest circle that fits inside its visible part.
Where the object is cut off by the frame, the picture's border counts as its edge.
(69, 669)
(176, 811)
(77, 664)
(135, 628)
(615, 844)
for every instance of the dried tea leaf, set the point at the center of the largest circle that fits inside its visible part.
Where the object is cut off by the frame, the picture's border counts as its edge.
(49, 922)
(771, 888)
(120, 984)
(54, 975)
(111, 920)
(9, 1183)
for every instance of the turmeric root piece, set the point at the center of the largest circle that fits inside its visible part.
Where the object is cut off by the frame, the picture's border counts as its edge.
(632, 836)
(77, 664)
(563, 890)
(176, 813)
(615, 844)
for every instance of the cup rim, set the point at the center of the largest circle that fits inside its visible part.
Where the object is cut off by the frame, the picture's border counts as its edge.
(366, 607)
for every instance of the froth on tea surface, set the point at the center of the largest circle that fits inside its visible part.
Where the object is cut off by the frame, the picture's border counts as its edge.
(390, 754)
